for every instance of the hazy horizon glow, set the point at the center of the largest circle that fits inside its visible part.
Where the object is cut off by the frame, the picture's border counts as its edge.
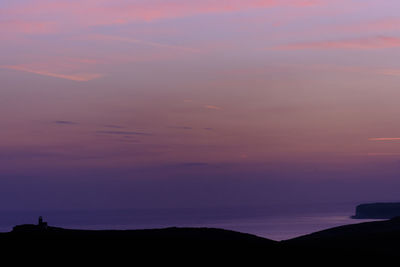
(150, 103)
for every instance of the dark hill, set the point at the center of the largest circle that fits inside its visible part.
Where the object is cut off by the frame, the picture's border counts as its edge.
(168, 235)
(379, 238)
(187, 246)
(363, 242)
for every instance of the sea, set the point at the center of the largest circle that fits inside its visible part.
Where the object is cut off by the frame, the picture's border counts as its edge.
(276, 222)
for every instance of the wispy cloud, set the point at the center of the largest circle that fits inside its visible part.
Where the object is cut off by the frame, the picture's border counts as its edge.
(123, 133)
(384, 139)
(28, 153)
(114, 126)
(383, 154)
(107, 12)
(377, 42)
(129, 141)
(75, 77)
(181, 127)
(389, 72)
(27, 27)
(143, 42)
(365, 26)
(192, 164)
(212, 107)
(340, 68)
(65, 122)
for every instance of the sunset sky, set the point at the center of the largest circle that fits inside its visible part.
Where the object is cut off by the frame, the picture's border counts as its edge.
(198, 103)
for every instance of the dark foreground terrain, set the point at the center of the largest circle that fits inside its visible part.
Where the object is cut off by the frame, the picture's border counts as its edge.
(363, 242)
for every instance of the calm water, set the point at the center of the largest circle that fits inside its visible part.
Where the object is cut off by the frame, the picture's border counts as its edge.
(270, 222)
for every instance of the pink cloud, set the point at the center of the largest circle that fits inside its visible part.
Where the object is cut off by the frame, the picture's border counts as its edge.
(147, 43)
(354, 69)
(384, 139)
(27, 27)
(383, 154)
(386, 24)
(212, 107)
(377, 42)
(389, 72)
(98, 12)
(244, 156)
(80, 77)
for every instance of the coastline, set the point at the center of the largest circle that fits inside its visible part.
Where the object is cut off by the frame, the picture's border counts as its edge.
(275, 226)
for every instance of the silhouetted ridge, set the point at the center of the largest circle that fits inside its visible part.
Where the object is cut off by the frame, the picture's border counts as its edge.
(360, 242)
(372, 239)
(172, 235)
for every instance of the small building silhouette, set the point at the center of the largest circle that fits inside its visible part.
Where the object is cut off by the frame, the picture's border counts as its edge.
(42, 225)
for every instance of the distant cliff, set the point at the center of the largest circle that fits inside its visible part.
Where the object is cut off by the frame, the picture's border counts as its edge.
(377, 211)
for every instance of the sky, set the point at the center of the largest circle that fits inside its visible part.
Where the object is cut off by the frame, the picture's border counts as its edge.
(108, 104)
